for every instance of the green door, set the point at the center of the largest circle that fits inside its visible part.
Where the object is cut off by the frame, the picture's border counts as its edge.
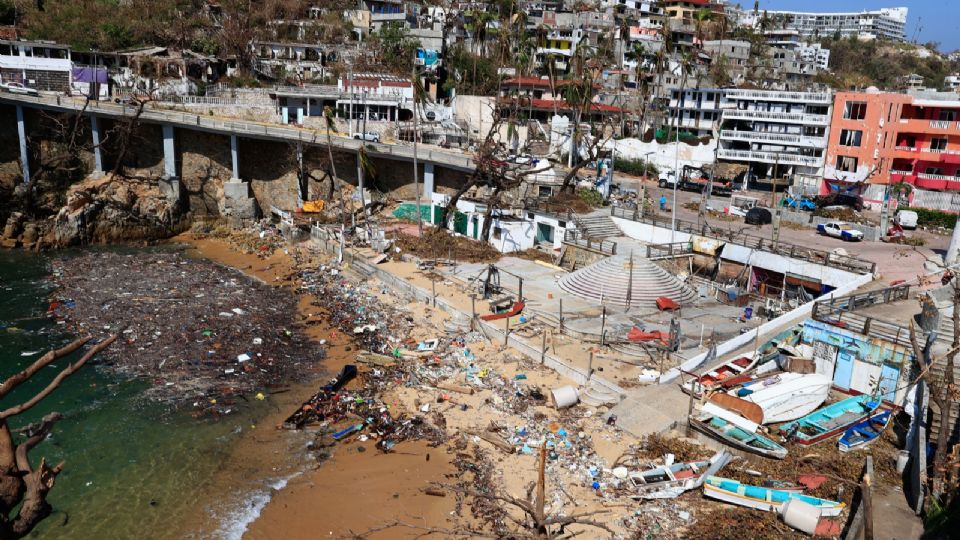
(476, 227)
(544, 233)
(437, 212)
(460, 223)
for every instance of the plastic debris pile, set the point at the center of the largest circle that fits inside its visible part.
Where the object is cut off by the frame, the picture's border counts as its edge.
(199, 330)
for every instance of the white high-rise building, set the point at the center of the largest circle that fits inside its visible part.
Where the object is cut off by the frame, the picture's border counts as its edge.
(885, 23)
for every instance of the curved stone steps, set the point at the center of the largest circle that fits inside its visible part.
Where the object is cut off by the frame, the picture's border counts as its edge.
(611, 279)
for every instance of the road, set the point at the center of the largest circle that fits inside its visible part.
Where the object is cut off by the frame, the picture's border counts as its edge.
(894, 262)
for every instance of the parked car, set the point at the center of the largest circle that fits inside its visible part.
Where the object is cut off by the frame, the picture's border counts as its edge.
(18, 88)
(370, 137)
(799, 203)
(841, 230)
(758, 216)
(907, 219)
(840, 199)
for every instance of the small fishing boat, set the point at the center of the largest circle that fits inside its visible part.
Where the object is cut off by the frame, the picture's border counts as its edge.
(669, 481)
(783, 485)
(829, 421)
(863, 433)
(786, 396)
(734, 430)
(761, 498)
(725, 375)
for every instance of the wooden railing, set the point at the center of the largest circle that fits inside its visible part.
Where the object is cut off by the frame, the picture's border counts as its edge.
(573, 237)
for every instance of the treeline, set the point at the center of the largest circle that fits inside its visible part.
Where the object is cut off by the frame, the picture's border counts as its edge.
(855, 63)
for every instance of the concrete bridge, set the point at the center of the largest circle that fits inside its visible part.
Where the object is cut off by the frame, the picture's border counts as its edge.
(237, 190)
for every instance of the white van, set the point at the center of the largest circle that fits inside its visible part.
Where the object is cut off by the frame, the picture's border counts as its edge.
(907, 219)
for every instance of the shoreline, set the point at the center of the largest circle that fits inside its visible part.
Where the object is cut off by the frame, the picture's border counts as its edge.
(266, 483)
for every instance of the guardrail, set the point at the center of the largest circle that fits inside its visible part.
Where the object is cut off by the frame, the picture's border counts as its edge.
(239, 127)
(826, 258)
(854, 302)
(664, 251)
(839, 316)
(774, 95)
(573, 237)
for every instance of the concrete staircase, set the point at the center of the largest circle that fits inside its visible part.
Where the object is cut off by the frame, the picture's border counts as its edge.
(598, 227)
(610, 279)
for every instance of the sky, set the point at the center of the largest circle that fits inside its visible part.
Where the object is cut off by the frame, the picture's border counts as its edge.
(939, 20)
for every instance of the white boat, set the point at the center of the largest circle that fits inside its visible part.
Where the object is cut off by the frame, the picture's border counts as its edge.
(669, 481)
(786, 396)
(761, 498)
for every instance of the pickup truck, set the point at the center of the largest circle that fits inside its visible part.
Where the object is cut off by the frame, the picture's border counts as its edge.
(841, 230)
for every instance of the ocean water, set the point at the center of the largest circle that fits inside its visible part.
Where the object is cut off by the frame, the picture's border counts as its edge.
(132, 468)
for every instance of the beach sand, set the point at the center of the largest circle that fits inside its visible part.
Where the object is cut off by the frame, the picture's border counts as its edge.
(353, 491)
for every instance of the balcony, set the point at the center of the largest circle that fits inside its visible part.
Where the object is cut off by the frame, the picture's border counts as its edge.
(782, 138)
(770, 157)
(824, 98)
(769, 116)
(922, 125)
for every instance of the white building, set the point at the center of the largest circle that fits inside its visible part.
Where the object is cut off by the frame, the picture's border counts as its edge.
(561, 45)
(765, 129)
(884, 23)
(700, 110)
(952, 82)
(814, 54)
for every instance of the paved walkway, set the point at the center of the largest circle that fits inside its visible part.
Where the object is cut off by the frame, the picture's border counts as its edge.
(893, 519)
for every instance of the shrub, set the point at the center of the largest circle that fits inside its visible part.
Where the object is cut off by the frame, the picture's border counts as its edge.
(635, 167)
(591, 197)
(934, 218)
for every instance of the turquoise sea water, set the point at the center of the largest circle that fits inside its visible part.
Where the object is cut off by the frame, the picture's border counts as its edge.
(132, 467)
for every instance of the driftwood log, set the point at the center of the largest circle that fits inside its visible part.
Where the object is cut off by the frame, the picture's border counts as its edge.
(23, 488)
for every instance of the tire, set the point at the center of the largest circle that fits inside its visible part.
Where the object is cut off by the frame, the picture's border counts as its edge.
(662, 184)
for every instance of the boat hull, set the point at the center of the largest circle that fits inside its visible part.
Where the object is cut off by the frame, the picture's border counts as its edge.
(864, 433)
(829, 421)
(762, 446)
(761, 498)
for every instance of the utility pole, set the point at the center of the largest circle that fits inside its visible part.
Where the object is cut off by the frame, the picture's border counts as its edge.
(416, 127)
(778, 204)
(350, 90)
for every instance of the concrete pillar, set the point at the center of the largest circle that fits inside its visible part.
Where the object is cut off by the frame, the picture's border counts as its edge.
(428, 179)
(954, 249)
(97, 153)
(234, 156)
(24, 155)
(169, 153)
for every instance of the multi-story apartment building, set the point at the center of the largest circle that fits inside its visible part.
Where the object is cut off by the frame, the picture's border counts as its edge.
(560, 45)
(952, 82)
(699, 109)
(42, 65)
(885, 23)
(776, 134)
(886, 138)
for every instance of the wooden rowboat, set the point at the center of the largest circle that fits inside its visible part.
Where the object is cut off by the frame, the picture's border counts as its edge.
(667, 482)
(829, 421)
(865, 432)
(761, 498)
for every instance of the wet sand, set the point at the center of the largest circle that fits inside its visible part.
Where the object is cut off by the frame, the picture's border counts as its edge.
(352, 492)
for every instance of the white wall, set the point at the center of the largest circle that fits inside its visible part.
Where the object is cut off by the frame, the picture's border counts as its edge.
(663, 154)
(649, 233)
(778, 263)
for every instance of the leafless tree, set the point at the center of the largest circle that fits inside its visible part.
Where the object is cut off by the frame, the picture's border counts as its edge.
(23, 488)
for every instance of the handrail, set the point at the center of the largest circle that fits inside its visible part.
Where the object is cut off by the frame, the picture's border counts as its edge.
(826, 258)
(573, 236)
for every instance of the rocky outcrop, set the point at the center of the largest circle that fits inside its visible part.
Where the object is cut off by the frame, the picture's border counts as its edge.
(108, 208)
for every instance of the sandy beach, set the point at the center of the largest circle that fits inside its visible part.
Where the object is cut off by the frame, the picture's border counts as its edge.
(353, 491)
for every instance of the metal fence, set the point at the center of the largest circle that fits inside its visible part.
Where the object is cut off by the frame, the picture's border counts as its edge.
(826, 258)
(573, 237)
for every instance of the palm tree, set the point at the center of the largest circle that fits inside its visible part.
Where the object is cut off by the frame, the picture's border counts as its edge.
(702, 16)
(329, 119)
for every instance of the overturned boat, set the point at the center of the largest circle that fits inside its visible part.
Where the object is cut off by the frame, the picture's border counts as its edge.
(761, 498)
(786, 396)
(735, 430)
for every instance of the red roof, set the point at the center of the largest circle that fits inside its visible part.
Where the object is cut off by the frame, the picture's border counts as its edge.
(530, 81)
(8, 32)
(562, 105)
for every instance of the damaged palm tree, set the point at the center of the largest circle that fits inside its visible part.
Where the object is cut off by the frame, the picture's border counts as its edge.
(23, 488)
(944, 394)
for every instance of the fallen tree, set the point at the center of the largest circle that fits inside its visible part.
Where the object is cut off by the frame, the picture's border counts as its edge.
(23, 488)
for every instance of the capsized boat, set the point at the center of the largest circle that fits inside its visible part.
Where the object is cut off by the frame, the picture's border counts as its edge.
(732, 429)
(829, 421)
(761, 498)
(864, 432)
(669, 481)
(786, 396)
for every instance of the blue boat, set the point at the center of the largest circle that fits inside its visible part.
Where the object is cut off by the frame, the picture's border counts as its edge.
(863, 433)
(829, 421)
(744, 437)
(761, 498)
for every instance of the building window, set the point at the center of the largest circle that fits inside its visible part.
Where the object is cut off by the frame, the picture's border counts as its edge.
(938, 143)
(846, 164)
(855, 110)
(948, 115)
(850, 137)
(497, 233)
(934, 170)
(544, 191)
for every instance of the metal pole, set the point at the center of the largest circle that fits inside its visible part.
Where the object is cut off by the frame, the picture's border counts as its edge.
(543, 348)
(433, 289)
(590, 367)
(603, 323)
(350, 115)
(506, 334)
(520, 294)
(416, 127)
(473, 311)
(561, 310)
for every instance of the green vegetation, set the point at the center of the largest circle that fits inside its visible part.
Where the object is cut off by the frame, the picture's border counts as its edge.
(395, 47)
(934, 218)
(855, 63)
(473, 74)
(591, 196)
(635, 167)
